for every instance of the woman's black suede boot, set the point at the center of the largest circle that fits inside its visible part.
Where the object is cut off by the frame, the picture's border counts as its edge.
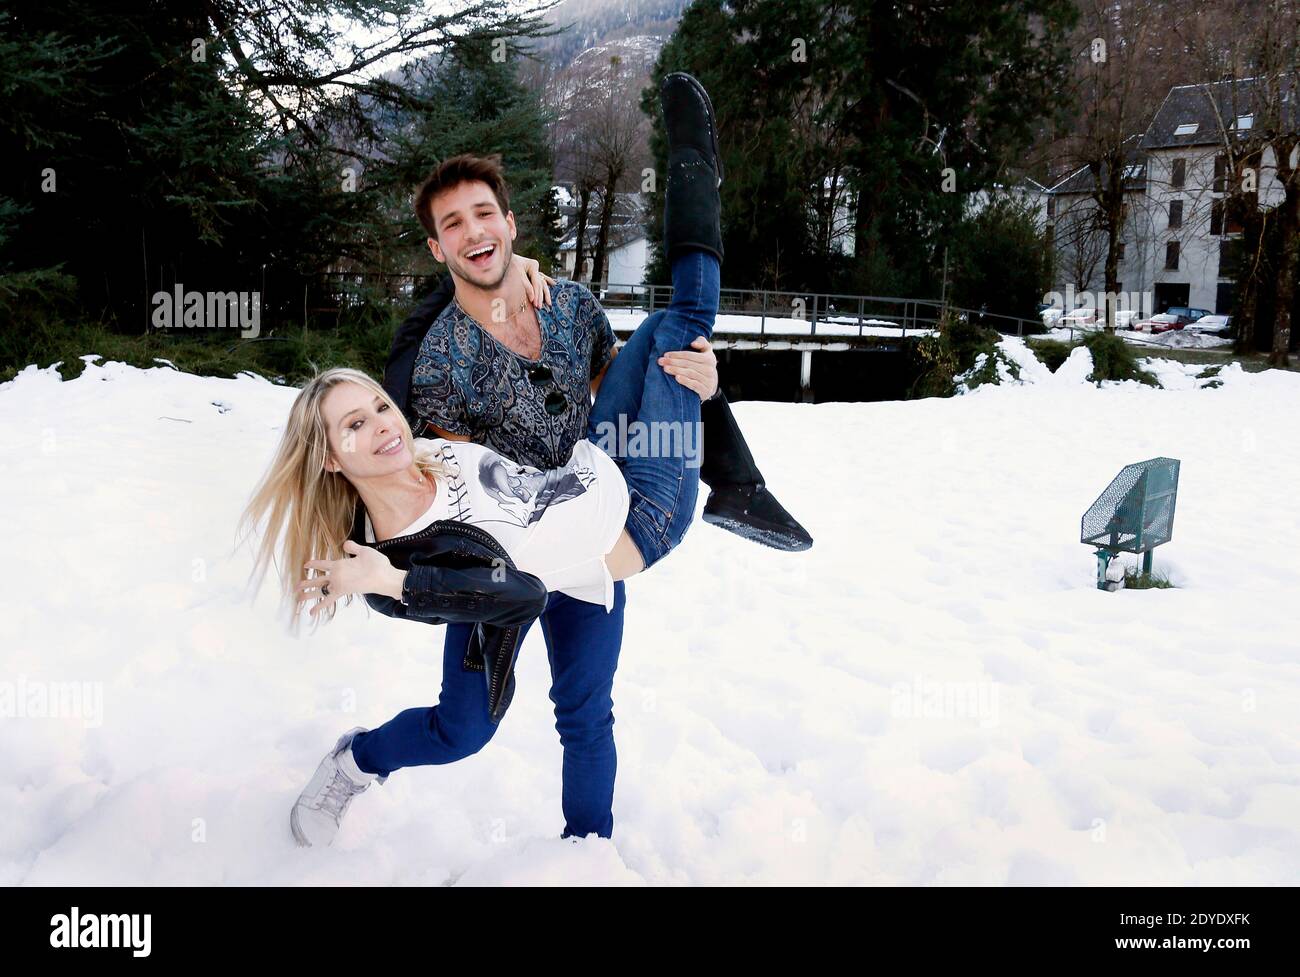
(739, 502)
(692, 207)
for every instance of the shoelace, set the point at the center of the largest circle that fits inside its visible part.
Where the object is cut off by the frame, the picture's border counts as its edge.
(338, 793)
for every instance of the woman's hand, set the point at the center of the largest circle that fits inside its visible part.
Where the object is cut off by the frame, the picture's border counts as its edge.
(366, 571)
(697, 369)
(536, 285)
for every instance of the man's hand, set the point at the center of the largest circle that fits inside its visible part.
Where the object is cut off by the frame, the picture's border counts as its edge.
(537, 287)
(697, 368)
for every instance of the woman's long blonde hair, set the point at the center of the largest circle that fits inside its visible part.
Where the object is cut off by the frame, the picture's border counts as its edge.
(307, 511)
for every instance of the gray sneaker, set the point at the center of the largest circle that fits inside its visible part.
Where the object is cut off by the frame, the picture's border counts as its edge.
(319, 811)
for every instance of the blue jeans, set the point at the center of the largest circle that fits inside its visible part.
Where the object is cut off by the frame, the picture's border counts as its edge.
(662, 469)
(582, 645)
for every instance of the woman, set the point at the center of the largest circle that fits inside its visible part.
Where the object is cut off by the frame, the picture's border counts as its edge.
(613, 510)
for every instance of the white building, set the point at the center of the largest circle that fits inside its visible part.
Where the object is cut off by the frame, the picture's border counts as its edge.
(627, 249)
(1175, 247)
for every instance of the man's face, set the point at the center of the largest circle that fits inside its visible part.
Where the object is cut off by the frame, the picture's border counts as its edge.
(470, 222)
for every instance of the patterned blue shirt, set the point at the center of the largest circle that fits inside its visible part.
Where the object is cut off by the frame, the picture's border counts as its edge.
(467, 382)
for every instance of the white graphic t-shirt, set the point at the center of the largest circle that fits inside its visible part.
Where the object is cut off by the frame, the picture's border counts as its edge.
(557, 524)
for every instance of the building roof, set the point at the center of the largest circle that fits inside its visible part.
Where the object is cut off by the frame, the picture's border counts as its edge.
(627, 222)
(1197, 115)
(1134, 178)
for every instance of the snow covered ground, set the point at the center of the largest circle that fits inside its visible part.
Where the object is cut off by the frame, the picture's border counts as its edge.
(625, 321)
(936, 692)
(1172, 339)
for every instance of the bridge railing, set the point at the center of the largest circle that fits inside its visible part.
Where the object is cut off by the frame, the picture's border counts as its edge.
(836, 314)
(815, 308)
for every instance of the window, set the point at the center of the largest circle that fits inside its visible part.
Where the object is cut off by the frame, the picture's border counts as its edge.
(1171, 256)
(1175, 213)
(1240, 205)
(1178, 175)
(1243, 122)
(1216, 218)
(1230, 251)
(1187, 129)
(1051, 206)
(1220, 169)
(1119, 253)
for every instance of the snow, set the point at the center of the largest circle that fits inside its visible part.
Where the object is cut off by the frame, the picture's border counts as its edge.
(625, 321)
(935, 692)
(1172, 339)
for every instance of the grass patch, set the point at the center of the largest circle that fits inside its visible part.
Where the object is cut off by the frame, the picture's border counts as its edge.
(286, 354)
(1210, 374)
(1250, 362)
(1135, 579)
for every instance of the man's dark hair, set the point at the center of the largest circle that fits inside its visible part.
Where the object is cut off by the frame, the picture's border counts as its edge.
(457, 170)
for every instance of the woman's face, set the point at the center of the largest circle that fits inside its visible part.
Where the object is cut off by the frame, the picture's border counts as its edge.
(365, 434)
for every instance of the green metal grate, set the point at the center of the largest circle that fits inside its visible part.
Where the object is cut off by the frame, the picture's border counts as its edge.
(1136, 512)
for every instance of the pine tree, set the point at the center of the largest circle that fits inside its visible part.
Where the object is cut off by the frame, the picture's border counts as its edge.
(880, 98)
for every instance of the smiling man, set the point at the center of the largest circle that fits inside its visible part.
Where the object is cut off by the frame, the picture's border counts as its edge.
(482, 364)
(491, 367)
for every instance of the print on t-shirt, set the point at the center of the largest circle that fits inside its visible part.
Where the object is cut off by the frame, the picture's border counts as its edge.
(524, 493)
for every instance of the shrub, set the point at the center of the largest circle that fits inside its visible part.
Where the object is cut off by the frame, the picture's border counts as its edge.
(1052, 352)
(953, 349)
(1114, 359)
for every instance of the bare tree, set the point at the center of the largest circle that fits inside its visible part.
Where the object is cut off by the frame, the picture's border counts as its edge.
(599, 140)
(619, 139)
(1122, 70)
(1254, 97)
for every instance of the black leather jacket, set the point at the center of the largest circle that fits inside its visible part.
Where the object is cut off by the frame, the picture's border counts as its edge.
(406, 344)
(457, 572)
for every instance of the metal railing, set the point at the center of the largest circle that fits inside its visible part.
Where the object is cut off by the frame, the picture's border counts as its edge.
(812, 307)
(343, 289)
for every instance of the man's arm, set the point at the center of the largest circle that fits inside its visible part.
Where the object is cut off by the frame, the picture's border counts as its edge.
(434, 431)
(595, 381)
(406, 344)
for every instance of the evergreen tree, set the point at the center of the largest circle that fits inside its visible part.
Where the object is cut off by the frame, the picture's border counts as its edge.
(477, 105)
(997, 261)
(880, 98)
(215, 144)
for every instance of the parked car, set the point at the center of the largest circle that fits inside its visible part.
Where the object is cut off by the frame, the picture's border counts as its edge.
(1219, 325)
(1187, 314)
(1079, 318)
(1050, 314)
(1160, 322)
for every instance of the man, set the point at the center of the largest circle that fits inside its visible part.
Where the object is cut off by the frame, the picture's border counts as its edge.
(488, 367)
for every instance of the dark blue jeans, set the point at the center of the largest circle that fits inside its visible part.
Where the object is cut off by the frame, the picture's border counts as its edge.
(648, 422)
(582, 645)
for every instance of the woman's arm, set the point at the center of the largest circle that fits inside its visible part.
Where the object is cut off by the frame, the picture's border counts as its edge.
(488, 595)
(496, 594)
